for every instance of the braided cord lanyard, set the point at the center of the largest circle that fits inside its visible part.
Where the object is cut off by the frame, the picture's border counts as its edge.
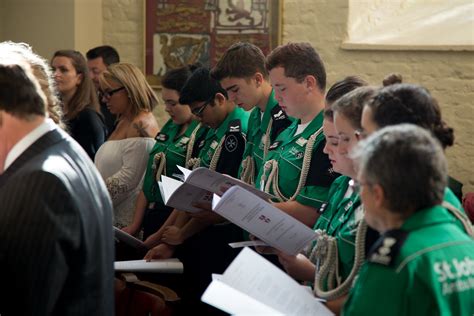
(461, 217)
(272, 166)
(217, 154)
(325, 254)
(189, 151)
(248, 164)
(159, 164)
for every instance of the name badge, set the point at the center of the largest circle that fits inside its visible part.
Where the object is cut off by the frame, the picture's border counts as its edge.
(184, 140)
(274, 145)
(161, 137)
(301, 141)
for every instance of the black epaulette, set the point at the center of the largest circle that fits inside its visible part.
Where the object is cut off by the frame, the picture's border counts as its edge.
(387, 247)
(280, 122)
(232, 149)
(161, 137)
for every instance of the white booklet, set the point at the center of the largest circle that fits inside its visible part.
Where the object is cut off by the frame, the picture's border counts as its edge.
(160, 266)
(129, 239)
(263, 220)
(251, 285)
(198, 187)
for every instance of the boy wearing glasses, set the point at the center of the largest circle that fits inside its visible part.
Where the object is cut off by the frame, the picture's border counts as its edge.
(241, 72)
(201, 241)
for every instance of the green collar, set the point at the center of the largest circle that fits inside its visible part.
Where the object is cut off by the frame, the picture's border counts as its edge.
(313, 126)
(223, 128)
(427, 217)
(267, 115)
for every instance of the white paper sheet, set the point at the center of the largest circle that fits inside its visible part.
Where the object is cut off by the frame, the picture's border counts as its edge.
(263, 220)
(259, 280)
(158, 266)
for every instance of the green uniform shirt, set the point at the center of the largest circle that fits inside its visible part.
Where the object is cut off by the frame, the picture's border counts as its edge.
(174, 146)
(424, 268)
(339, 218)
(288, 151)
(257, 129)
(234, 129)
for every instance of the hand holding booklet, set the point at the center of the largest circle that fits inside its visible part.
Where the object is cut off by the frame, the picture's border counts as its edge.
(198, 187)
(129, 239)
(263, 220)
(251, 285)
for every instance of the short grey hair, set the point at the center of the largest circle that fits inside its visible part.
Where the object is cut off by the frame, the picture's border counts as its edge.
(407, 162)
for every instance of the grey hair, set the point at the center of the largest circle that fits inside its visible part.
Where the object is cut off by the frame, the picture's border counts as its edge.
(407, 162)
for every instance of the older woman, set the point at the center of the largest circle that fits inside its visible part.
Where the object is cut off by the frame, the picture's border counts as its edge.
(80, 103)
(423, 262)
(122, 159)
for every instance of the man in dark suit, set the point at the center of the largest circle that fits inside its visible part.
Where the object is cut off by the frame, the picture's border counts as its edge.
(56, 241)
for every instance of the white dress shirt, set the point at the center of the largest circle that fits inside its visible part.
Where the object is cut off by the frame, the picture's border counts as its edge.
(27, 141)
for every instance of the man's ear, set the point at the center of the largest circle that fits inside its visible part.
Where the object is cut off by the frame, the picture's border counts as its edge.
(378, 195)
(311, 82)
(219, 99)
(259, 79)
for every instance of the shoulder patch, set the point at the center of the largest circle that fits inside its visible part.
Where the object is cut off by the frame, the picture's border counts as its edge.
(234, 126)
(231, 143)
(161, 137)
(278, 114)
(201, 143)
(387, 247)
(323, 207)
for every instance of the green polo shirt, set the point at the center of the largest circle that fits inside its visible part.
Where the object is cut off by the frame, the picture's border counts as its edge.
(256, 135)
(288, 151)
(425, 268)
(214, 136)
(175, 147)
(339, 219)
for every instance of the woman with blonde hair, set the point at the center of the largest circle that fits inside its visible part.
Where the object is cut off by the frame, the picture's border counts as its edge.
(79, 99)
(122, 159)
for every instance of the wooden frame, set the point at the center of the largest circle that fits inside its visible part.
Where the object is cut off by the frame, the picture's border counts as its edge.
(179, 33)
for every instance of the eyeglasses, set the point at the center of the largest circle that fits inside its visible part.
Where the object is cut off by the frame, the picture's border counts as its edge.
(357, 185)
(108, 94)
(360, 134)
(198, 111)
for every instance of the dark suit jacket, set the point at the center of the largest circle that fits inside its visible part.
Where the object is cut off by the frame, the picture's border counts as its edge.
(56, 240)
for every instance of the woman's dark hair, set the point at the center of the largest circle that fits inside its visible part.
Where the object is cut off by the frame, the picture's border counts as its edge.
(175, 79)
(409, 103)
(85, 95)
(339, 89)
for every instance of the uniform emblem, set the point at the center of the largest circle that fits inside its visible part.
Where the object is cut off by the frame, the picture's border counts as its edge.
(323, 207)
(201, 143)
(280, 115)
(231, 143)
(214, 144)
(160, 137)
(274, 145)
(301, 141)
(387, 247)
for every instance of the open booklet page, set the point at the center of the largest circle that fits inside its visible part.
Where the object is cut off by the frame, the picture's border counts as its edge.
(129, 239)
(251, 285)
(198, 187)
(263, 220)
